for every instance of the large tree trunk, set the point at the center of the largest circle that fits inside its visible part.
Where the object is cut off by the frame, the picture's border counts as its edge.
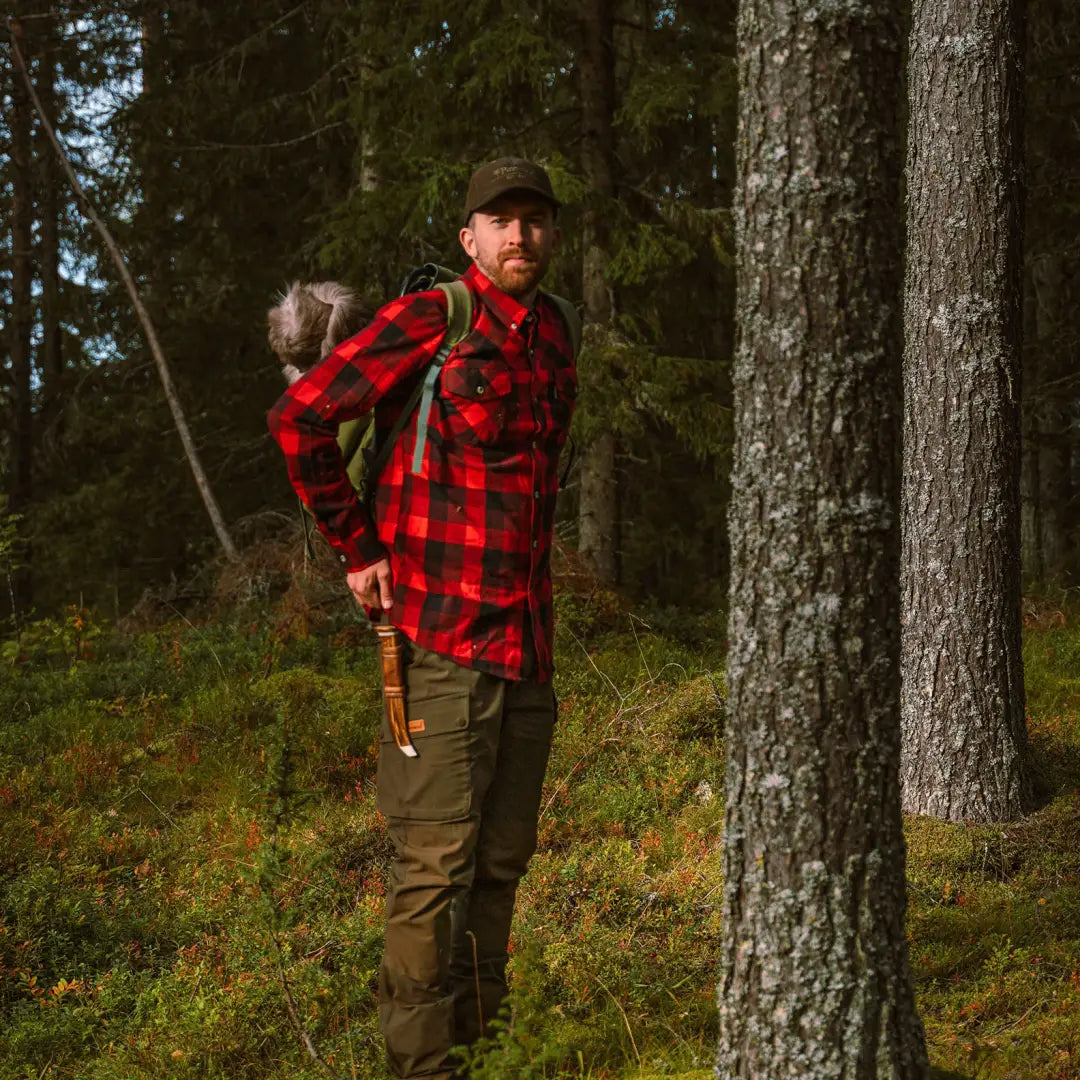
(965, 750)
(21, 446)
(814, 977)
(598, 505)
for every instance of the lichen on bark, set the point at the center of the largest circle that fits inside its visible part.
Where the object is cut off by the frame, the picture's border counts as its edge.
(814, 977)
(965, 751)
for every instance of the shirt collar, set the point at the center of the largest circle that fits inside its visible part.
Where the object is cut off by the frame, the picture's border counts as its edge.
(509, 311)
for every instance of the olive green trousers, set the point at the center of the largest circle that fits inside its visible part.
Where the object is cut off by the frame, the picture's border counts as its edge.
(462, 817)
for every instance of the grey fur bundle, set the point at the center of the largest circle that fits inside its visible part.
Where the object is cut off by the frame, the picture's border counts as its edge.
(309, 320)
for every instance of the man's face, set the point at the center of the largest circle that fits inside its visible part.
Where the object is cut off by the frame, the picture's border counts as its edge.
(511, 239)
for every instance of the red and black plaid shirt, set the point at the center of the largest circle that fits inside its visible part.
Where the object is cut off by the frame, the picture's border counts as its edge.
(469, 537)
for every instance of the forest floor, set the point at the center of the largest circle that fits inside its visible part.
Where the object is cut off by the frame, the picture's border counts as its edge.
(187, 815)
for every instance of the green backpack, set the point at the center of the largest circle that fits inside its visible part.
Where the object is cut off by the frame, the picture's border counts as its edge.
(356, 438)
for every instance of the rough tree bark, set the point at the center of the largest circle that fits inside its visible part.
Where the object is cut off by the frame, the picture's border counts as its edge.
(814, 976)
(598, 506)
(964, 740)
(21, 446)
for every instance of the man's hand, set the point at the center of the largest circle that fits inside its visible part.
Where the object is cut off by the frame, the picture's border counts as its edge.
(373, 585)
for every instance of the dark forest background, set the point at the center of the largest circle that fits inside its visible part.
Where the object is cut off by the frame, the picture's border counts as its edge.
(235, 147)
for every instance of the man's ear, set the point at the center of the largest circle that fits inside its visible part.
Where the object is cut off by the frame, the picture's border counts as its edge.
(468, 241)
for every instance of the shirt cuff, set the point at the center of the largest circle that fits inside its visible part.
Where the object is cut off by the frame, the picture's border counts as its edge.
(359, 552)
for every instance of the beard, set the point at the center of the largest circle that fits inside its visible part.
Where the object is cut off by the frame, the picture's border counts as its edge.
(517, 271)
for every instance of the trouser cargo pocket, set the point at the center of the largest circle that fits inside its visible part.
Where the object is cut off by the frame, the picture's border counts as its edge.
(436, 784)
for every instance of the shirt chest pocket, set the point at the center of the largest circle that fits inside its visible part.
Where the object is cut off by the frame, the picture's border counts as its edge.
(478, 395)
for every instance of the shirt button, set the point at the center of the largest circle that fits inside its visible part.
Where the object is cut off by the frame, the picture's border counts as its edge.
(536, 544)
(536, 494)
(513, 326)
(343, 558)
(479, 389)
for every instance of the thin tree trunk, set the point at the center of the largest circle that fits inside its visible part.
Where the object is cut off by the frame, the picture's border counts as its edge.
(201, 481)
(1054, 406)
(1031, 561)
(50, 202)
(598, 506)
(965, 747)
(22, 306)
(1051, 322)
(814, 981)
(368, 178)
(155, 227)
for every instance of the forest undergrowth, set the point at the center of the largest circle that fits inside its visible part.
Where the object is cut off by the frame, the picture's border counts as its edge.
(190, 852)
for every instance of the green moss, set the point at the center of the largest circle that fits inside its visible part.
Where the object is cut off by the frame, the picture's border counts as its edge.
(995, 910)
(137, 895)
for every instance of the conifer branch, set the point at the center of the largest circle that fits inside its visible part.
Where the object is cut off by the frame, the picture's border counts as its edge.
(240, 46)
(546, 118)
(164, 374)
(31, 15)
(262, 146)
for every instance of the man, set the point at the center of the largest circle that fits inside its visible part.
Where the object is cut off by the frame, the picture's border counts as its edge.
(458, 558)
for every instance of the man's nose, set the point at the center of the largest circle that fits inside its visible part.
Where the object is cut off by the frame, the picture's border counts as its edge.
(515, 231)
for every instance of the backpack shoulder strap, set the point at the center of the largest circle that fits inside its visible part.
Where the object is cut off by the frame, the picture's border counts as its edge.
(459, 313)
(459, 310)
(571, 318)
